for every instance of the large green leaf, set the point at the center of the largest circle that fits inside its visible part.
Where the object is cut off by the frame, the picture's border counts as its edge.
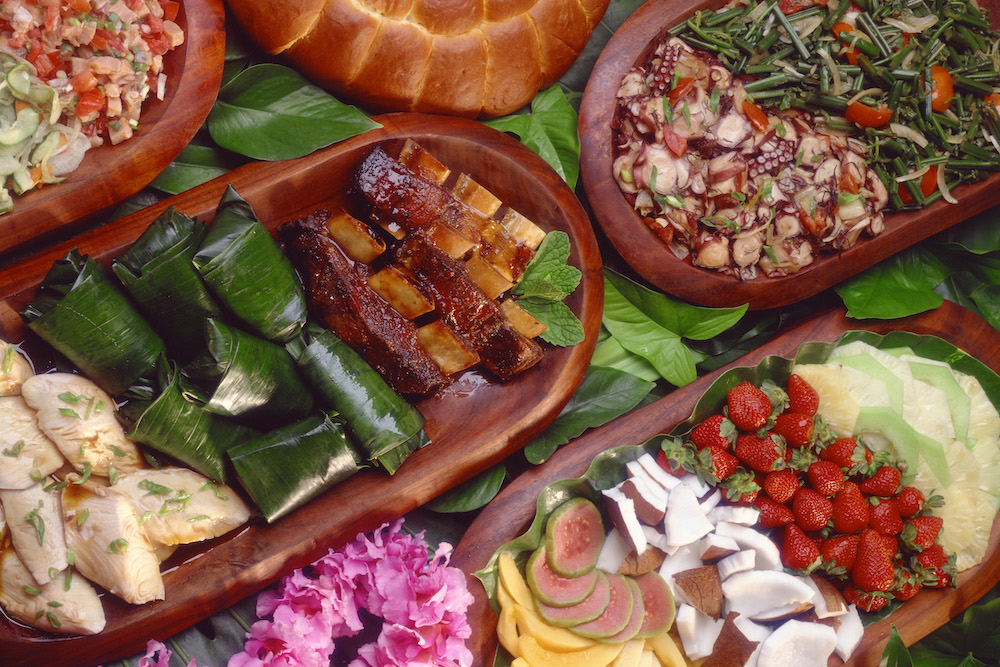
(194, 165)
(604, 393)
(471, 494)
(900, 286)
(270, 112)
(549, 130)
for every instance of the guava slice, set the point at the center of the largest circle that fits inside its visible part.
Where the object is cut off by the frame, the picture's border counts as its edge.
(615, 616)
(588, 609)
(554, 589)
(657, 603)
(574, 535)
(635, 620)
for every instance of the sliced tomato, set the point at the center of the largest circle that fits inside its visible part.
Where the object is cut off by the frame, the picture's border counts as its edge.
(79, 6)
(994, 99)
(105, 40)
(52, 16)
(681, 90)
(46, 64)
(90, 101)
(170, 9)
(134, 5)
(158, 44)
(83, 81)
(155, 24)
(942, 88)
(792, 6)
(928, 184)
(675, 142)
(756, 115)
(838, 31)
(865, 116)
(848, 182)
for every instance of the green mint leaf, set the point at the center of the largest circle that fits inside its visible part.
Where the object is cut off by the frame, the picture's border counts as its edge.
(564, 329)
(548, 275)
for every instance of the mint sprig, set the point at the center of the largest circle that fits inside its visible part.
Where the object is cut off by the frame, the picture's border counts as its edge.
(547, 280)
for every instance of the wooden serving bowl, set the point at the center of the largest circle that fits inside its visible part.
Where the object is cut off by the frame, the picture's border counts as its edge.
(650, 257)
(512, 511)
(474, 423)
(109, 174)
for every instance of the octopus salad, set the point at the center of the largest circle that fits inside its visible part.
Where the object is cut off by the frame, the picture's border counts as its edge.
(736, 187)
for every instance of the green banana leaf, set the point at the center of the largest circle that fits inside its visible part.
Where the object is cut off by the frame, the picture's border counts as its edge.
(248, 377)
(290, 466)
(186, 431)
(385, 427)
(81, 312)
(158, 274)
(249, 274)
(608, 467)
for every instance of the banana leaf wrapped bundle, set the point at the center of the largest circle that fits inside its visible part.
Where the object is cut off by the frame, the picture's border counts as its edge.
(248, 273)
(82, 313)
(385, 427)
(242, 375)
(158, 274)
(176, 426)
(290, 466)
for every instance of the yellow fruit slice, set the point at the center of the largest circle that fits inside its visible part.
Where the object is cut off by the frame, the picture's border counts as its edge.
(631, 655)
(519, 662)
(599, 655)
(549, 636)
(666, 650)
(512, 579)
(647, 659)
(507, 631)
(836, 405)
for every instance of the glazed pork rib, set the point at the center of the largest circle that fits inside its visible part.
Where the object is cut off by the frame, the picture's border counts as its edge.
(427, 302)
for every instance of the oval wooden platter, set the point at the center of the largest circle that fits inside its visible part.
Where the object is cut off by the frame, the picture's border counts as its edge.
(473, 424)
(651, 258)
(511, 512)
(109, 173)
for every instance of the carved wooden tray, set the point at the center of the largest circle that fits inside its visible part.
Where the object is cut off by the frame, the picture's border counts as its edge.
(473, 424)
(109, 173)
(650, 257)
(510, 513)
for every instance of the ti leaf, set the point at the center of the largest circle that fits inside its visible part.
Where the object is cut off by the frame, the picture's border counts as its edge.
(471, 494)
(604, 394)
(270, 112)
(549, 129)
(900, 286)
(653, 326)
(895, 654)
(196, 164)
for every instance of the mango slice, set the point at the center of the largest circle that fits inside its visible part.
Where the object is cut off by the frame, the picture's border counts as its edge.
(549, 636)
(666, 650)
(507, 631)
(631, 655)
(513, 581)
(599, 655)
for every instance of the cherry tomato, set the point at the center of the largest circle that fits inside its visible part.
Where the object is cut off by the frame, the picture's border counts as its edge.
(756, 115)
(865, 116)
(675, 142)
(681, 90)
(942, 88)
(928, 184)
(89, 102)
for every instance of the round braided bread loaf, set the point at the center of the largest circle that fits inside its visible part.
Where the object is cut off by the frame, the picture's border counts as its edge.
(463, 57)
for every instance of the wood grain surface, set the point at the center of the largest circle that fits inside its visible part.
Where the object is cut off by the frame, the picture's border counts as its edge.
(511, 512)
(109, 174)
(649, 256)
(473, 424)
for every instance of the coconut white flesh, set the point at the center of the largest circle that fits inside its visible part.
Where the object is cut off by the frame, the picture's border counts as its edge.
(52, 607)
(614, 551)
(766, 551)
(26, 451)
(35, 524)
(764, 593)
(697, 631)
(3, 522)
(741, 561)
(684, 521)
(180, 506)
(798, 644)
(14, 370)
(110, 547)
(80, 419)
(849, 632)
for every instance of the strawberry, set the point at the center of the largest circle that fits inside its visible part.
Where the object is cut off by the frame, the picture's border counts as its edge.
(921, 532)
(676, 458)
(850, 509)
(873, 569)
(716, 430)
(798, 551)
(891, 544)
(907, 584)
(884, 482)
(773, 514)
(884, 517)
(866, 601)
(740, 487)
(826, 477)
(718, 462)
(848, 454)
(801, 396)
(937, 566)
(909, 501)
(762, 454)
(748, 406)
(795, 428)
(839, 553)
(781, 485)
(812, 510)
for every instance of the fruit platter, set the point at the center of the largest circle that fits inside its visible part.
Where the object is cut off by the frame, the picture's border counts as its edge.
(609, 471)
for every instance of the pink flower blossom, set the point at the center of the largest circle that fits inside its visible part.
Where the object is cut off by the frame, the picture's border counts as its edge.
(422, 603)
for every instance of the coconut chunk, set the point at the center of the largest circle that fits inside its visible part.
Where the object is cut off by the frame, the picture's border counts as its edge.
(715, 547)
(741, 561)
(684, 522)
(613, 552)
(697, 631)
(798, 644)
(623, 515)
(767, 555)
(764, 594)
(849, 633)
(744, 515)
